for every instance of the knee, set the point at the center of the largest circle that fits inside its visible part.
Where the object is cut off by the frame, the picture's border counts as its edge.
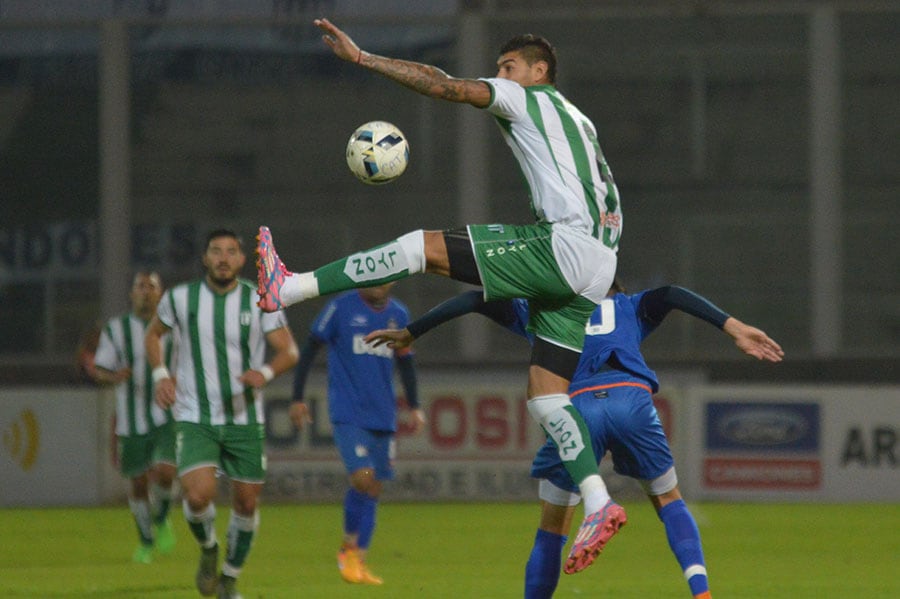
(245, 506)
(436, 259)
(364, 481)
(164, 476)
(139, 487)
(196, 500)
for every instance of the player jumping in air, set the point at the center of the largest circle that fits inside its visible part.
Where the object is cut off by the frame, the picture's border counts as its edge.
(563, 263)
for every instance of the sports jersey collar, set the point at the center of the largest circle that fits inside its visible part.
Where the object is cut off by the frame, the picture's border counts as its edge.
(237, 285)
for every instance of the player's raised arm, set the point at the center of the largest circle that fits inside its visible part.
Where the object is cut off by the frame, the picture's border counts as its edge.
(425, 79)
(657, 303)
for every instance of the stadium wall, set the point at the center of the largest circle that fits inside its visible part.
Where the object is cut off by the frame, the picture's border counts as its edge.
(734, 443)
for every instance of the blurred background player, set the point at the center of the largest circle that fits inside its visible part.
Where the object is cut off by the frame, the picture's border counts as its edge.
(563, 263)
(362, 406)
(218, 402)
(613, 389)
(144, 450)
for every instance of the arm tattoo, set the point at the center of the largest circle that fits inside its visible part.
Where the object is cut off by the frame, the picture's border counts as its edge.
(422, 78)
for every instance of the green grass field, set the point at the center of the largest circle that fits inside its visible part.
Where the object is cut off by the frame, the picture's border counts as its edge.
(465, 551)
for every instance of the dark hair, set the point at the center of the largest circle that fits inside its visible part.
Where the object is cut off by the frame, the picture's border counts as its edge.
(533, 49)
(216, 233)
(617, 285)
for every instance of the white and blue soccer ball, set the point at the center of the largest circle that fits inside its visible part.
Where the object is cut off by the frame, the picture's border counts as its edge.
(377, 152)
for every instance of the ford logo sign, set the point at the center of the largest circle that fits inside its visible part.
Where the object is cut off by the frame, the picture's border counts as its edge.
(762, 426)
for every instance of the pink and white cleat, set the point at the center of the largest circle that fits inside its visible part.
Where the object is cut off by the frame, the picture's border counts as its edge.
(593, 534)
(270, 272)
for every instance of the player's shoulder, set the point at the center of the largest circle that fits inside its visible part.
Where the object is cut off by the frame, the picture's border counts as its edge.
(182, 287)
(337, 304)
(503, 88)
(246, 283)
(113, 321)
(628, 301)
(347, 298)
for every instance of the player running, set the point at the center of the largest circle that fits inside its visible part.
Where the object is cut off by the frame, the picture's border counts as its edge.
(362, 407)
(145, 433)
(217, 399)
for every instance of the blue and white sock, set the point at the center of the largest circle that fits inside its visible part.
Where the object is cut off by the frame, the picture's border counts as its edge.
(544, 564)
(359, 516)
(684, 540)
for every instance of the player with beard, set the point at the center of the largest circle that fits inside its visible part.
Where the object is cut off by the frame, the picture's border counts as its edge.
(216, 398)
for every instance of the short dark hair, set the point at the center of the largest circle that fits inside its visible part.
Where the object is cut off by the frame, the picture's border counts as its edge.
(617, 285)
(533, 48)
(216, 233)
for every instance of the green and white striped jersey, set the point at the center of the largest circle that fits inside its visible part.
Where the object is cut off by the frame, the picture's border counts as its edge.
(219, 337)
(568, 179)
(122, 345)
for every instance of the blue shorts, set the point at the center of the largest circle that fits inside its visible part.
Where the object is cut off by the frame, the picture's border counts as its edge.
(363, 448)
(620, 417)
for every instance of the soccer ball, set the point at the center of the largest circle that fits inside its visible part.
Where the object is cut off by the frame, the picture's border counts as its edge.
(377, 153)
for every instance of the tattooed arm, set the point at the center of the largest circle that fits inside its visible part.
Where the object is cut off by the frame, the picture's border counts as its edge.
(422, 78)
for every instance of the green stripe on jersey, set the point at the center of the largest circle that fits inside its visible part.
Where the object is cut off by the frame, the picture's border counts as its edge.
(580, 156)
(222, 355)
(129, 359)
(168, 346)
(506, 125)
(534, 111)
(246, 297)
(193, 293)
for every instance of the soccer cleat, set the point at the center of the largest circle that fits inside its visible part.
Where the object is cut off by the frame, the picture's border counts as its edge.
(595, 532)
(226, 588)
(270, 272)
(207, 581)
(165, 538)
(369, 578)
(143, 554)
(349, 565)
(353, 569)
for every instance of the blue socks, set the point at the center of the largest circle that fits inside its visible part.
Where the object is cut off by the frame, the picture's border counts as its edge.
(684, 539)
(544, 564)
(359, 516)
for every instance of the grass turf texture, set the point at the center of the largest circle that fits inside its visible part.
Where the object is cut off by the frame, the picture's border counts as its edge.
(462, 551)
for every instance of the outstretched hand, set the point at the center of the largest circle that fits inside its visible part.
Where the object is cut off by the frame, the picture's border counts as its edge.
(395, 339)
(753, 341)
(340, 43)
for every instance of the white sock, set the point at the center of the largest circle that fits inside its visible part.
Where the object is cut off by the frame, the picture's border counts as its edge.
(594, 492)
(140, 509)
(207, 518)
(298, 287)
(413, 245)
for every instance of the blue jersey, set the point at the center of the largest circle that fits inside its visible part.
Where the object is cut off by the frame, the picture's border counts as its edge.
(360, 377)
(613, 337)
